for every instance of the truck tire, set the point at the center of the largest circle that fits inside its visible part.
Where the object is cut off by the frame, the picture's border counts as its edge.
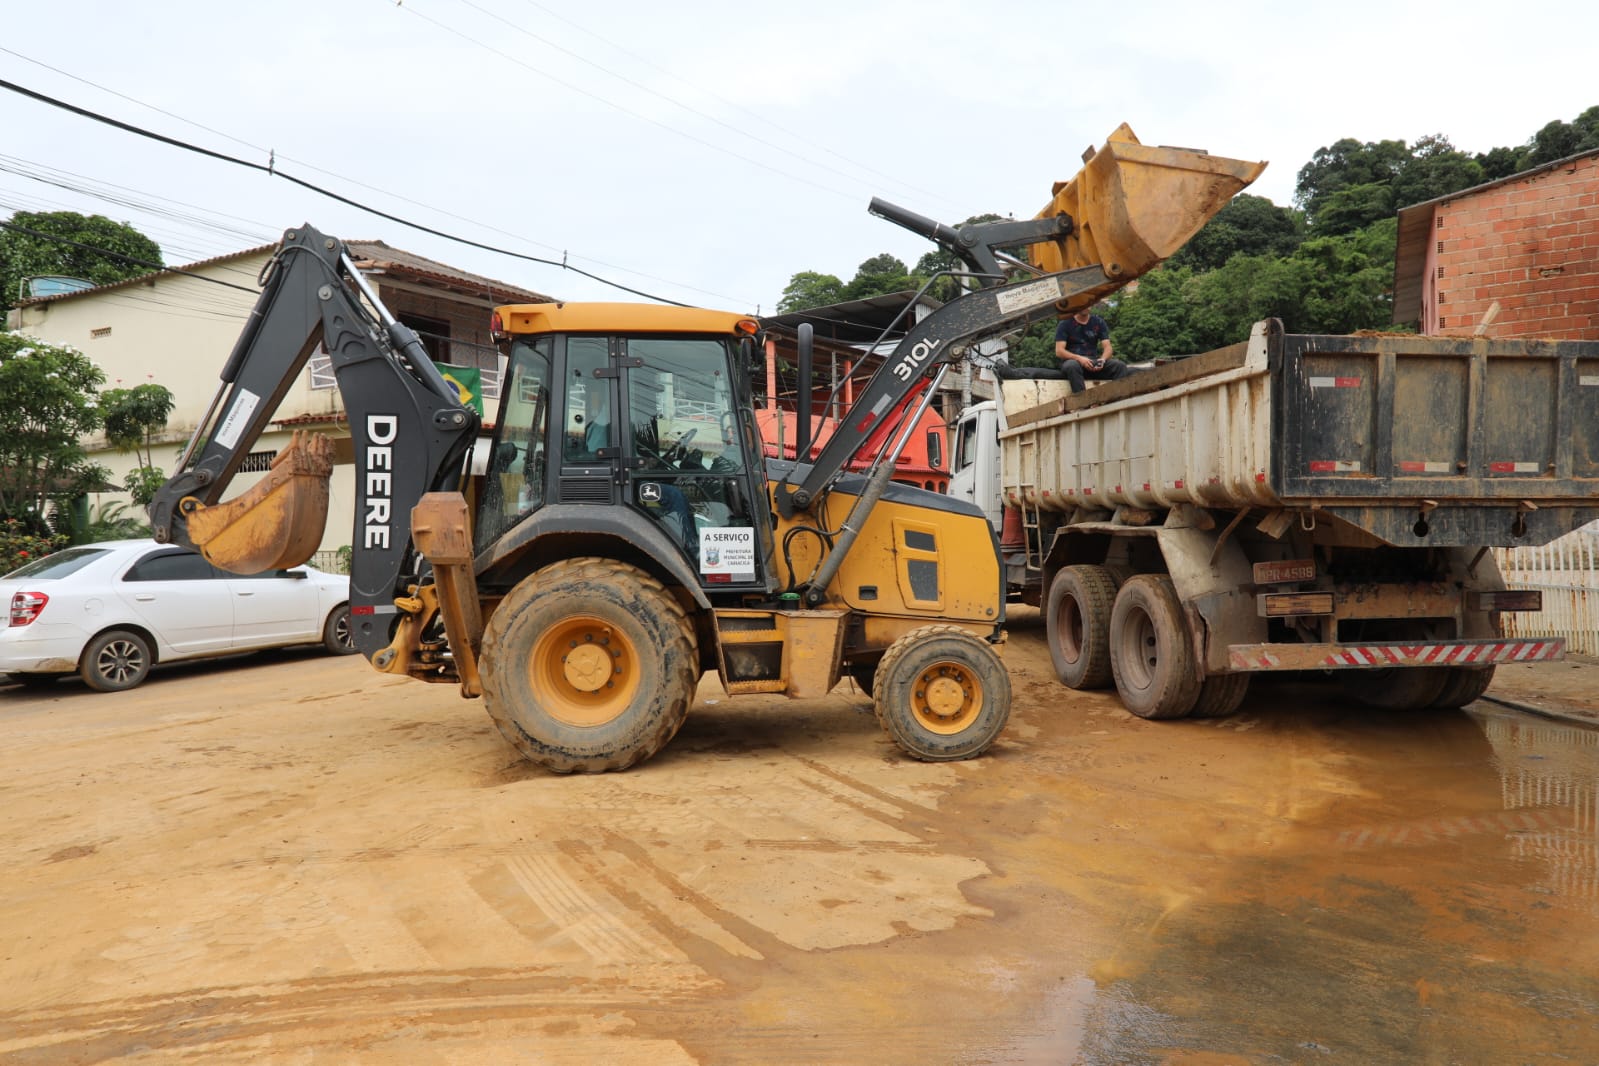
(1408, 688)
(941, 693)
(1150, 653)
(1220, 696)
(1464, 684)
(1077, 622)
(589, 665)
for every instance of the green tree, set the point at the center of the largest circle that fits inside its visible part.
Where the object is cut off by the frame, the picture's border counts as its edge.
(91, 247)
(1247, 225)
(1344, 164)
(47, 405)
(1436, 168)
(111, 520)
(132, 419)
(882, 273)
(809, 289)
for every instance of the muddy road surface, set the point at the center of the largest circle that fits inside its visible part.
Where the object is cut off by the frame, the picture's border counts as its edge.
(292, 859)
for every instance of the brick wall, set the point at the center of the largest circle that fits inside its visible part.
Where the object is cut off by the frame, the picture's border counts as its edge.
(1532, 245)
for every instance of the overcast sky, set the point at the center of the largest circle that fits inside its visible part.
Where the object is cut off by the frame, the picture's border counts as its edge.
(706, 151)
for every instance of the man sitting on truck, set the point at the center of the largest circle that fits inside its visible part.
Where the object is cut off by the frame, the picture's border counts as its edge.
(1082, 344)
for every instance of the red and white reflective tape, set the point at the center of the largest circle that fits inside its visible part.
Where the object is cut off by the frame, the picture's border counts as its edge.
(1411, 467)
(1474, 654)
(1264, 660)
(1334, 466)
(1335, 383)
(1513, 468)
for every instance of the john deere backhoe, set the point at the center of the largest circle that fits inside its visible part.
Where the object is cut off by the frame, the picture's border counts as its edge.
(627, 535)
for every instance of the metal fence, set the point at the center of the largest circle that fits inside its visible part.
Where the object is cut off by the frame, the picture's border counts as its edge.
(328, 562)
(1566, 571)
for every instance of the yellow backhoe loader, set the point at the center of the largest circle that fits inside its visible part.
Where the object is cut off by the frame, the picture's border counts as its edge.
(627, 535)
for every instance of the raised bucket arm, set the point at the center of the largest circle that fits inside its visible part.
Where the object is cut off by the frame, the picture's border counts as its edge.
(410, 432)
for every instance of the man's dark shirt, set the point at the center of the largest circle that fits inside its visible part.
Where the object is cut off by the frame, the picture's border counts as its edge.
(1082, 338)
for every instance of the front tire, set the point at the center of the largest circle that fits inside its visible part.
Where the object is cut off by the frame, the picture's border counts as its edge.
(941, 694)
(1077, 622)
(115, 661)
(589, 665)
(1150, 654)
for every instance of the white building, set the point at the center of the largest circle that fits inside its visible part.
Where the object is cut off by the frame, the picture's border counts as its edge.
(178, 329)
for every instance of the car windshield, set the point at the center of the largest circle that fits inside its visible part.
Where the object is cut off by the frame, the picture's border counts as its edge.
(58, 564)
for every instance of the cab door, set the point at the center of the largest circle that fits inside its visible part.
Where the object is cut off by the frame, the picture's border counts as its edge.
(687, 456)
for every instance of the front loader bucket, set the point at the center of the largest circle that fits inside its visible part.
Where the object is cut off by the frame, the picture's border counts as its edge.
(278, 522)
(1134, 205)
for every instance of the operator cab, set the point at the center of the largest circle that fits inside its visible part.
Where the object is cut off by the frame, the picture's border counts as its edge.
(642, 410)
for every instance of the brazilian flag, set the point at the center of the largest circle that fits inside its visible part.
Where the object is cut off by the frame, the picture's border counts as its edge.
(468, 384)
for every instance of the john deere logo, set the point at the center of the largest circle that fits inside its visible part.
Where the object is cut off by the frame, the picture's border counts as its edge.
(649, 492)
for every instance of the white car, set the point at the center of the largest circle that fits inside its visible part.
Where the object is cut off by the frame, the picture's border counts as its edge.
(110, 611)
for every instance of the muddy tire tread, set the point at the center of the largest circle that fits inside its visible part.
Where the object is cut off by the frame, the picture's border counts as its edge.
(680, 655)
(1220, 696)
(1175, 683)
(884, 687)
(1096, 596)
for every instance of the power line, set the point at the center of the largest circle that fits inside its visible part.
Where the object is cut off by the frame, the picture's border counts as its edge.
(637, 57)
(135, 260)
(372, 188)
(273, 171)
(807, 160)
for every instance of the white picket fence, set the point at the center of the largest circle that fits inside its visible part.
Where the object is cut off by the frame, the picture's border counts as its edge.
(1566, 571)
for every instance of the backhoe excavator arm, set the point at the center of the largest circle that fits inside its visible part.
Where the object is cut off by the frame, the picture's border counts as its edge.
(411, 434)
(1130, 207)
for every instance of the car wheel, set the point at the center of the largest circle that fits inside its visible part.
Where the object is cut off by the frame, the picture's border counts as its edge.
(115, 661)
(337, 636)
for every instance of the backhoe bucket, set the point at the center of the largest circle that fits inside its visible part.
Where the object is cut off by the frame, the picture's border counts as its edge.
(278, 522)
(1134, 205)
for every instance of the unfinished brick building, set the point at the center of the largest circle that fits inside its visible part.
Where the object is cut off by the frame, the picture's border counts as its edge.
(1528, 243)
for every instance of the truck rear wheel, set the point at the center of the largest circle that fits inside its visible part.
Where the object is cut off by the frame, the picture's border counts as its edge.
(1077, 621)
(1464, 684)
(1150, 654)
(589, 665)
(941, 694)
(1407, 688)
(1220, 696)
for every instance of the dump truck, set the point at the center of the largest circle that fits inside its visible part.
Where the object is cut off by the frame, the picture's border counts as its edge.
(627, 533)
(1310, 503)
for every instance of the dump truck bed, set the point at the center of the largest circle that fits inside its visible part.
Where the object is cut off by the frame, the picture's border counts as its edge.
(1417, 441)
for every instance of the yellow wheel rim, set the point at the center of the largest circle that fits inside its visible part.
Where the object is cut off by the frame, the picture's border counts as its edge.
(946, 698)
(584, 671)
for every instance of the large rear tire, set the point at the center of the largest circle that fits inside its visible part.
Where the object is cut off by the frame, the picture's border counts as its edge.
(1077, 621)
(941, 693)
(1150, 654)
(1464, 684)
(589, 665)
(1408, 688)
(1220, 696)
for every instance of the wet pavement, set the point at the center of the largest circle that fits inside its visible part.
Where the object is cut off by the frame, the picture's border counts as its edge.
(358, 870)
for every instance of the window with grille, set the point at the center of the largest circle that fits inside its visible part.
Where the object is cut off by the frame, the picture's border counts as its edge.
(257, 462)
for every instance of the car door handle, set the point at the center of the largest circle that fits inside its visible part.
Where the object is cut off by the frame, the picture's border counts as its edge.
(146, 597)
(246, 593)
